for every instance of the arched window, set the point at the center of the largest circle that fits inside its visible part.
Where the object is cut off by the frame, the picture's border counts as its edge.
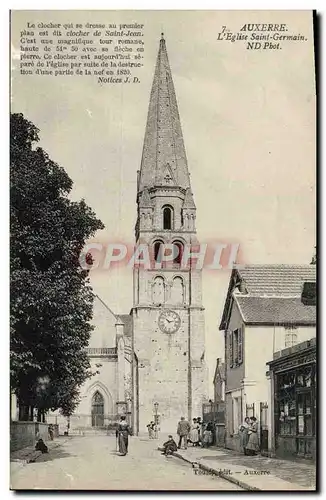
(177, 295)
(167, 217)
(157, 251)
(158, 290)
(97, 410)
(178, 252)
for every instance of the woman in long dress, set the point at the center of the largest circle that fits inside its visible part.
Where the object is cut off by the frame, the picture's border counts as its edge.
(194, 433)
(122, 433)
(244, 436)
(253, 445)
(200, 425)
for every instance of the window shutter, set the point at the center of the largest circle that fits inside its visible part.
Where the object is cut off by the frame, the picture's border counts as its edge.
(232, 415)
(240, 343)
(231, 348)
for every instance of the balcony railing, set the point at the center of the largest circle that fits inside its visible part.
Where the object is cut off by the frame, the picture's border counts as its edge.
(102, 351)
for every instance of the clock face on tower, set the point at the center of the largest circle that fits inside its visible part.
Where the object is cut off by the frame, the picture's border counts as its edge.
(169, 321)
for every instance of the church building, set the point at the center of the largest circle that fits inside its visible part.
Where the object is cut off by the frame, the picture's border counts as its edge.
(108, 393)
(168, 315)
(150, 364)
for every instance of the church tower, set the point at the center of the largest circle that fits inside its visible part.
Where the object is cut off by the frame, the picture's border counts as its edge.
(169, 375)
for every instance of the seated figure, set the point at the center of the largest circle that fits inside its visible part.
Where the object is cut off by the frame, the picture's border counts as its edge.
(169, 446)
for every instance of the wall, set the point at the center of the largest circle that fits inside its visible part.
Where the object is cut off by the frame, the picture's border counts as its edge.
(162, 368)
(24, 434)
(234, 375)
(14, 409)
(220, 435)
(59, 421)
(232, 439)
(167, 370)
(260, 344)
(105, 382)
(233, 381)
(104, 321)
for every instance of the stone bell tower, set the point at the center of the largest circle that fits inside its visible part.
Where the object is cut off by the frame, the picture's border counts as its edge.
(168, 316)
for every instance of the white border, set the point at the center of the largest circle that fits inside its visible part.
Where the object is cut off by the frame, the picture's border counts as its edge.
(4, 198)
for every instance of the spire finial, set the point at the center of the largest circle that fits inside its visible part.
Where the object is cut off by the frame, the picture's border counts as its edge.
(162, 41)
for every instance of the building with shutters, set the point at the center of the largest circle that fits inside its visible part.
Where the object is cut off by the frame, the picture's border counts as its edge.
(268, 308)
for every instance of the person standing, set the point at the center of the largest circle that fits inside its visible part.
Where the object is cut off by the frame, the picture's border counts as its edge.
(150, 428)
(183, 431)
(194, 433)
(200, 424)
(211, 429)
(51, 432)
(122, 433)
(252, 446)
(206, 437)
(244, 436)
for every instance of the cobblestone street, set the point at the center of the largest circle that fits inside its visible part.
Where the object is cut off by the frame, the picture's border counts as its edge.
(91, 463)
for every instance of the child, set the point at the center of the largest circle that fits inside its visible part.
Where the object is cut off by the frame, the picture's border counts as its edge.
(169, 446)
(207, 437)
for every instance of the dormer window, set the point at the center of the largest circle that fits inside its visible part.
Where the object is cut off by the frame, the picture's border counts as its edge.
(308, 296)
(167, 217)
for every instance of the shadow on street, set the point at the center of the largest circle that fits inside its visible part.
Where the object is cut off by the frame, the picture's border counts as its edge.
(54, 454)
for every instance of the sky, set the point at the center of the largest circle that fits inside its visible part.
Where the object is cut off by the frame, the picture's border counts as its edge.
(248, 121)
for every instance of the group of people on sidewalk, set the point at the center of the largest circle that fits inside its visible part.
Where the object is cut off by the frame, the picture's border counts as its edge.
(197, 434)
(249, 436)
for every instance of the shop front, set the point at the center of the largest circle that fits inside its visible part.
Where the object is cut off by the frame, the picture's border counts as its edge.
(294, 384)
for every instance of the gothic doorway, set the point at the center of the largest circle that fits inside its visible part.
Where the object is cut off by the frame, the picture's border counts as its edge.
(97, 410)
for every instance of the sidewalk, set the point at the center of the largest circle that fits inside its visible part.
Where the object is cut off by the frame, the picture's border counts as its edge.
(255, 472)
(29, 454)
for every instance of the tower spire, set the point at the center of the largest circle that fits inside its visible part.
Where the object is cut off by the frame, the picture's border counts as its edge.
(164, 157)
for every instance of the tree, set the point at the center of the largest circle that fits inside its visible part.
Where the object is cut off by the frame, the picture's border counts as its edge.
(51, 298)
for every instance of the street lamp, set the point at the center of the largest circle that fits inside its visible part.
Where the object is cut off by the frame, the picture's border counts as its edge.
(156, 419)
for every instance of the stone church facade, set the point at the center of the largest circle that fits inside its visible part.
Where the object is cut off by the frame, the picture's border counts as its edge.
(150, 364)
(108, 392)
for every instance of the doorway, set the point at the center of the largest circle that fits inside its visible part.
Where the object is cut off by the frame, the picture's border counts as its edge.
(97, 410)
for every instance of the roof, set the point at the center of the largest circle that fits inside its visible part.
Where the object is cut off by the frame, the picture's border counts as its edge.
(277, 281)
(105, 305)
(164, 158)
(219, 370)
(275, 310)
(127, 321)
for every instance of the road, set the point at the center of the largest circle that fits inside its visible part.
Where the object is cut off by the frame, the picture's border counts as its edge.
(91, 463)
